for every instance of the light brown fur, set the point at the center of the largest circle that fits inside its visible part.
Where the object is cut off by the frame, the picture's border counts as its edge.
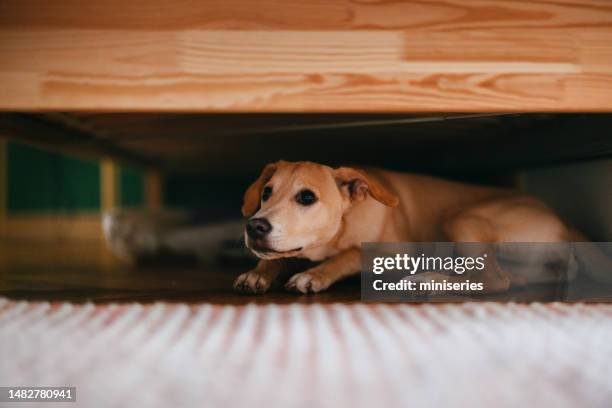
(356, 206)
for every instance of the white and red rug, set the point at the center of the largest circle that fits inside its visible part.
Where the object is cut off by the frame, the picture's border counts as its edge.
(174, 355)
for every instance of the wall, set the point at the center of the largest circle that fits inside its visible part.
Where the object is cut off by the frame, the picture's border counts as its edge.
(53, 195)
(41, 181)
(580, 192)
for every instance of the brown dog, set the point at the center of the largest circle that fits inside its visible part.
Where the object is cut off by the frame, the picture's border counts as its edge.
(313, 211)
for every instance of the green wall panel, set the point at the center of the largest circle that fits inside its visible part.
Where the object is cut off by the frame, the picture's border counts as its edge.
(210, 198)
(42, 181)
(131, 186)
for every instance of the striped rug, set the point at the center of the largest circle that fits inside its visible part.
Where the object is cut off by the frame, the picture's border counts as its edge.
(175, 355)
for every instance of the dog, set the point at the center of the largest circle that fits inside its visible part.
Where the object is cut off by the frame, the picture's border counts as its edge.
(313, 211)
(324, 214)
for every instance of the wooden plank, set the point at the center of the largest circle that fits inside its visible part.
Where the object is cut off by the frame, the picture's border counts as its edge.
(179, 14)
(459, 56)
(109, 177)
(240, 15)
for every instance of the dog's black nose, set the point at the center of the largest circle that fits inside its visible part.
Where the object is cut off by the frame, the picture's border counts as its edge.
(258, 228)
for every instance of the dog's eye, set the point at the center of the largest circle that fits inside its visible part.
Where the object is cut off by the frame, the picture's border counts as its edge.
(306, 197)
(266, 193)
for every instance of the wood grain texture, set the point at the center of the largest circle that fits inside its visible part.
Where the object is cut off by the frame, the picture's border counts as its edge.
(317, 56)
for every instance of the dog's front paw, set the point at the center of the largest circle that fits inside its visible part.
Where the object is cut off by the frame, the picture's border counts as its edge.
(252, 282)
(307, 282)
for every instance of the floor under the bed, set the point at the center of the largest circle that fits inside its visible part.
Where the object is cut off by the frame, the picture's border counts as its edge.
(81, 272)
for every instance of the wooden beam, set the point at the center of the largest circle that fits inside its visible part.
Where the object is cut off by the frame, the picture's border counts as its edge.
(316, 56)
(109, 187)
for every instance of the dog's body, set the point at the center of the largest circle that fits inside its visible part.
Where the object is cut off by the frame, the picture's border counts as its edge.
(384, 206)
(313, 211)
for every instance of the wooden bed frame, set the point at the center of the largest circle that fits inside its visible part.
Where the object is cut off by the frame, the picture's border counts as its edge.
(306, 56)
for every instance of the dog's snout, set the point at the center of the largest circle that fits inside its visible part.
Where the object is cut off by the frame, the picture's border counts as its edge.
(258, 228)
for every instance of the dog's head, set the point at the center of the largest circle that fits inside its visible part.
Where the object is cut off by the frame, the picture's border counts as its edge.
(297, 206)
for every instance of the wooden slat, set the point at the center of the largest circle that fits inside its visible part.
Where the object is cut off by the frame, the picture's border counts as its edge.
(335, 55)
(179, 14)
(109, 189)
(312, 15)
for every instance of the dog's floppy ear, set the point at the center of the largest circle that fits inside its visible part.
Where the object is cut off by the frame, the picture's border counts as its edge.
(252, 196)
(357, 184)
